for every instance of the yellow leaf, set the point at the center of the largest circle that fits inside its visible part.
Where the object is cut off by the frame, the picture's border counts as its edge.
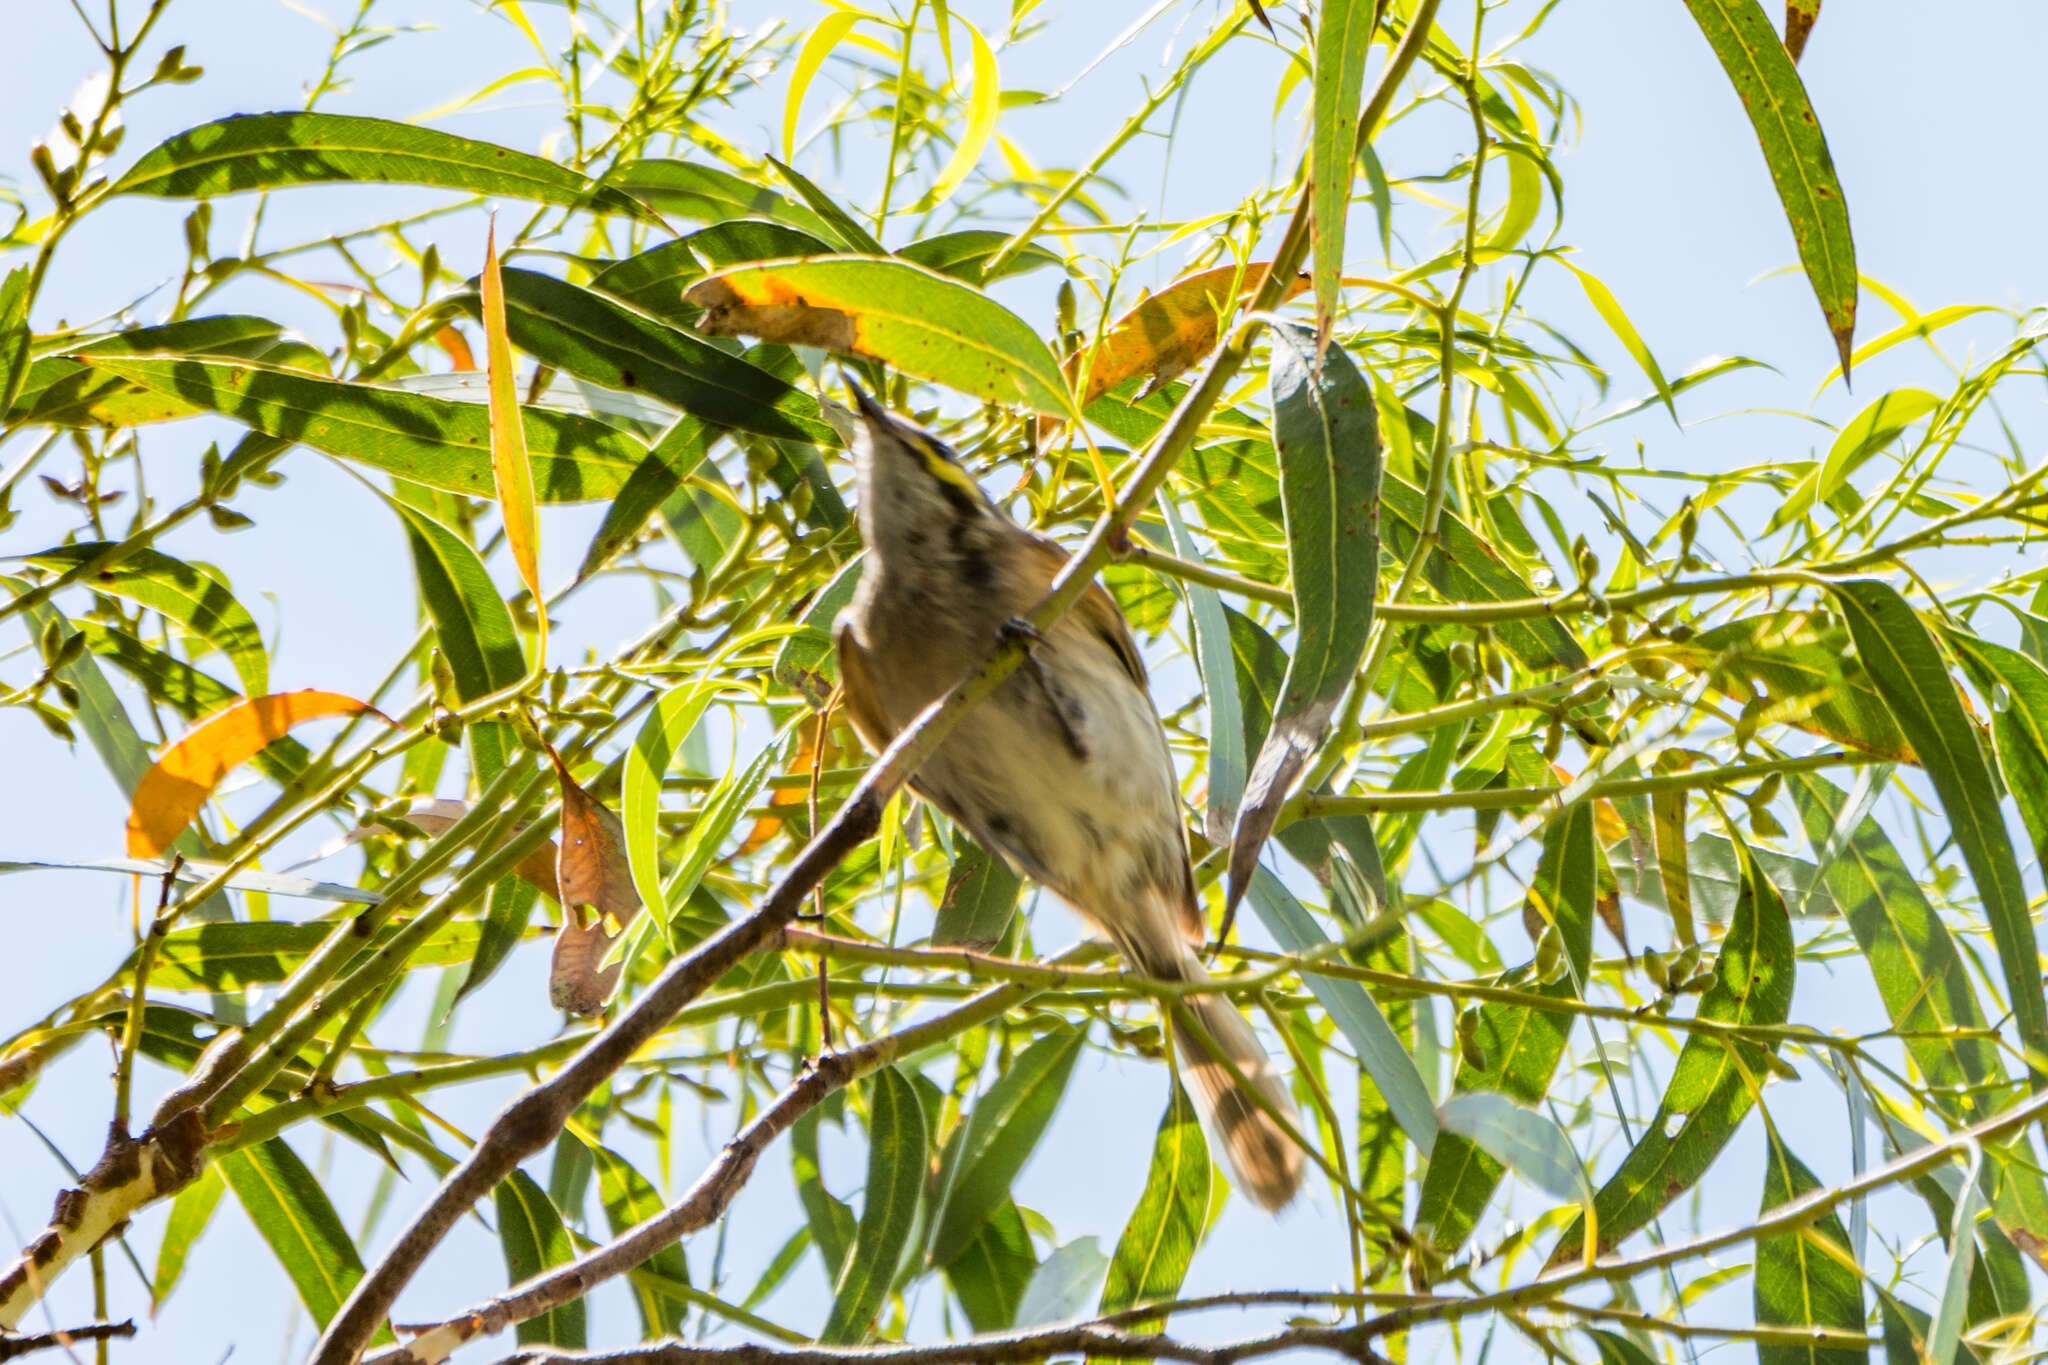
(508, 446)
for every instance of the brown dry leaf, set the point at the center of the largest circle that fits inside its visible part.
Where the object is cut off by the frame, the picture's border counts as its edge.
(1172, 330)
(787, 319)
(435, 814)
(177, 785)
(590, 871)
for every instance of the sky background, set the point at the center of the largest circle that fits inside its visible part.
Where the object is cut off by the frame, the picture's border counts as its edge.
(1930, 124)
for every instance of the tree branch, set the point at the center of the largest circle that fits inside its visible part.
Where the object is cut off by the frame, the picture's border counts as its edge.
(13, 1347)
(714, 1190)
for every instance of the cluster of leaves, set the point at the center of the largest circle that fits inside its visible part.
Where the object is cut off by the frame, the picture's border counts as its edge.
(1467, 757)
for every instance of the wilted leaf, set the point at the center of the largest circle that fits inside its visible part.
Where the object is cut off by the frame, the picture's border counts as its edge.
(924, 324)
(512, 469)
(1167, 333)
(177, 785)
(591, 872)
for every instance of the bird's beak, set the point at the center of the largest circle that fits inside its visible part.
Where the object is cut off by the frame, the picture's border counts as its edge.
(871, 410)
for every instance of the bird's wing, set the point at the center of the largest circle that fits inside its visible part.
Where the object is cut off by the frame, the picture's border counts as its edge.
(857, 690)
(1097, 611)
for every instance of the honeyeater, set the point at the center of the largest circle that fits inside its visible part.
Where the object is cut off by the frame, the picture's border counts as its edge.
(1064, 770)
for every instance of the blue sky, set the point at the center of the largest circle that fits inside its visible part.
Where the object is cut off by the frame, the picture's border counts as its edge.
(1929, 124)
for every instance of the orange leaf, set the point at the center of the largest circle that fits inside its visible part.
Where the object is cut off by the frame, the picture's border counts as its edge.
(508, 443)
(457, 347)
(809, 758)
(172, 791)
(1173, 329)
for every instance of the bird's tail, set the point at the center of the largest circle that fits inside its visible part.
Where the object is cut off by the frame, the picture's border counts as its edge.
(1267, 1162)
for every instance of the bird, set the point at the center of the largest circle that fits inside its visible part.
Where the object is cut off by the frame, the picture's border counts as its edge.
(1064, 770)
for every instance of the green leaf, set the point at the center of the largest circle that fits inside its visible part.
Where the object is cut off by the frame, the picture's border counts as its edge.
(1869, 431)
(925, 324)
(1522, 1044)
(1920, 975)
(194, 595)
(1803, 1278)
(830, 1219)
(1715, 1080)
(1616, 1349)
(292, 1214)
(1525, 1141)
(434, 441)
(896, 1167)
(2018, 688)
(1326, 430)
(1152, 1256)
(1611, 312)
(1913, 678)
(1794, 149)
(232, 954)
(991, 1274)
(1064, 1284)
(998, 1137)
(629, 1199)
(592, 337)
(64, 391)
(1805, 667)
(272, 151)
(839, 223)
(646, 764)
(191, 1211)
(980, 899)
(14, 334)
(807, 663)
(1944, 1333)
(678, 454)
(531, 1233)
(508, 909)
(1216, 661)
(965, 255)
(472, 627)
(1352, 1009)
(722, 808)
(707, 194)
(1343, 46)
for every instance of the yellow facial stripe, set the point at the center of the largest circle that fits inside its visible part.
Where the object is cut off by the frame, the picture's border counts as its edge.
(943, 469)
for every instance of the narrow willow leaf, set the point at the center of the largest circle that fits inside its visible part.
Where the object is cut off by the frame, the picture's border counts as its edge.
(675, 456)
(1944, 1333)
(14, 334)
(2019, 727)
(194, 595)
(837, 222)
(825, 35)
(1611, 312)
(896, 1167)
(807, 663)
(1920, 974)
(508, 909)
(294, 1217)
(435, 441)
(1714, 1082)
(1524, 1140)
(992, 1272)
(1214, 658)
(512, 470)
(1800, 17)
(169, 795)
(999, 1136)
(1326, 429)
(984, 101)
(531, 1234)
(1868, 432)
(1522, 1045)
(64, 390)
(830, 1219)
(1064, 1284)
(708, 194)
(1803, 1278)
(980, 899)
(1667, 816)
(1804, 666)
(191, 1211)
(1152, 1256)
(965, 255)
(629, 1199)
(660, 738)
(884, 308)
(1616, 1349)
(235, 953)
(1796, 152)
(272, 151)
(586, 334)
(1352, 1009)
(721, 810)
(191, 871)
(472, 627)
(1911, 674)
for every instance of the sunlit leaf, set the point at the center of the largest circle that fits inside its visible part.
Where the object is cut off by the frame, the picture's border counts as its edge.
(592, 873)
(1152, 1255)
(196, 596)
(1167, 333)
(887, 309)
(531, 1234)
(296, 1219)
(1343, 44)
(177, 785)
(896, 1162)
(1803, 1278)
(512, 469)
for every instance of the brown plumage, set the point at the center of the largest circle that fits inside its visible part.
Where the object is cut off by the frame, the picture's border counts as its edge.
(1064, 771)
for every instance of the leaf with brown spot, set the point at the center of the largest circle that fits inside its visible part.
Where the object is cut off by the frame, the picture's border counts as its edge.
(923, 323)
(177, 785)
(1800, 16)
(592, 872)
(1166, 334)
